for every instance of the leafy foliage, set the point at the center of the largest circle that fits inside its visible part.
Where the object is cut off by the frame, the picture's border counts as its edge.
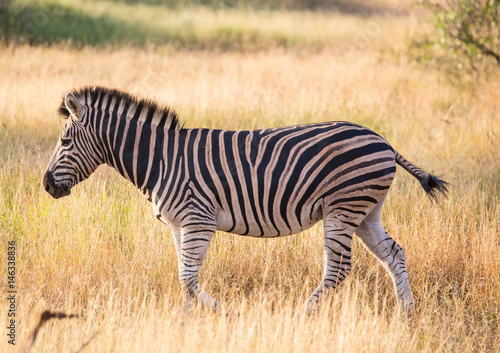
(466, 34)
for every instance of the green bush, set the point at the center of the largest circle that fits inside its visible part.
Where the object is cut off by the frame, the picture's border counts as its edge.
(465, 35)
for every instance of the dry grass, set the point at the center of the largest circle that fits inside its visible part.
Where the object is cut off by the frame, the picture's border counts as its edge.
(101, 254)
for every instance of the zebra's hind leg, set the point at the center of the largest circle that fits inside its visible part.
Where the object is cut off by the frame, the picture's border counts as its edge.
(337, 249)
(374, 237)
(194, 244)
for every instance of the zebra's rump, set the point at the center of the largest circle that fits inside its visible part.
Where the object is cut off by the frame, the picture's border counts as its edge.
(281, 181)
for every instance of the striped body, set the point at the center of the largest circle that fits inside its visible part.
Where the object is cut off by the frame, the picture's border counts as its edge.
(262, 183)
(272, 182)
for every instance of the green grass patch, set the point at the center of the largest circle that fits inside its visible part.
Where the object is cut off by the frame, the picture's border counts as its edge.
(105, 24)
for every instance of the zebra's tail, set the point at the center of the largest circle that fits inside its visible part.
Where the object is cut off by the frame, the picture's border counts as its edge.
(432, 185)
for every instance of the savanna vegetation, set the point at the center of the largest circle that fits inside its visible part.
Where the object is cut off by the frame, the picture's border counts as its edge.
(101, 254)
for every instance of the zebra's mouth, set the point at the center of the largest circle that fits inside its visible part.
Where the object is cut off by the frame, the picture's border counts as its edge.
(64, 191)
(55, 190)
(58, 191)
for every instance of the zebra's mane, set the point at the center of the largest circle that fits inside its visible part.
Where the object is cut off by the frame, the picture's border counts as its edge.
(88, 95)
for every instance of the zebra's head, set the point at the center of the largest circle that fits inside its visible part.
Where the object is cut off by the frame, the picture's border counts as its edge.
(77, 153)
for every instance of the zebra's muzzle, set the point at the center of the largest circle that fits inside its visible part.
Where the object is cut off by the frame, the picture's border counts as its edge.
(56, 191)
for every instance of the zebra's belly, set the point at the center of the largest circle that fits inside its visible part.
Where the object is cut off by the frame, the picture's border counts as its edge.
(268, 226)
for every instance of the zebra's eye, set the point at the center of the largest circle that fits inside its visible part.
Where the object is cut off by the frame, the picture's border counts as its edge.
(65, 142)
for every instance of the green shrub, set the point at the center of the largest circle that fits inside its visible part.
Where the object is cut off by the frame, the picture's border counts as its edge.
(465, 35)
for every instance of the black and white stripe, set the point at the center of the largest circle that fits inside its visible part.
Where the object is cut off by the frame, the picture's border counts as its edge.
(261, 183)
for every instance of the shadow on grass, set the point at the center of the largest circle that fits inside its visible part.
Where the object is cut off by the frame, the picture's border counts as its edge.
(53, 22)
(49, 22)
(351, 7)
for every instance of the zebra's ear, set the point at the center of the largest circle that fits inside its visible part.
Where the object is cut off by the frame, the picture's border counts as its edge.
(73, 105)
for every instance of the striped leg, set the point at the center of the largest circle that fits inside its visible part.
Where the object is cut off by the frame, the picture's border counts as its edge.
(337, 248)
(374, 237)
(194, 242)
(188, 299)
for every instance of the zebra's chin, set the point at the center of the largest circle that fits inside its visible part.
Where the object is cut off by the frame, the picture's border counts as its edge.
(64, 191)
(59, 192)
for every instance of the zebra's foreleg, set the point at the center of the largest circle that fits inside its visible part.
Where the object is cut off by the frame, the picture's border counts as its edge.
(374, 237)
(194, 244)
(188, 300)
(337, 249)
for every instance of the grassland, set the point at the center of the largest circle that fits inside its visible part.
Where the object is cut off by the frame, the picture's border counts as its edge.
(113, 24)
(100, 253)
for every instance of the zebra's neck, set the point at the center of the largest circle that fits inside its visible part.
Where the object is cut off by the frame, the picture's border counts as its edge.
(134, 138)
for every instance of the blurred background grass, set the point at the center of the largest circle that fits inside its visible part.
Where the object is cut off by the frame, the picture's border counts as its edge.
(223, 25)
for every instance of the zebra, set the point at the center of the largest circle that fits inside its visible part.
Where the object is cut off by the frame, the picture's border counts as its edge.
(260, 183)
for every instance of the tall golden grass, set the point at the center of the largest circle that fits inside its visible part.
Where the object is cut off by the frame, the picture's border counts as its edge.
(101, 254)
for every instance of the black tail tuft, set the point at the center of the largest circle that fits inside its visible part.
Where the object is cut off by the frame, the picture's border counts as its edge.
(434, 186)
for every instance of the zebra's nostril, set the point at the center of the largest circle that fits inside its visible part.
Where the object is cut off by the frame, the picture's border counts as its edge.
(47, 188)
